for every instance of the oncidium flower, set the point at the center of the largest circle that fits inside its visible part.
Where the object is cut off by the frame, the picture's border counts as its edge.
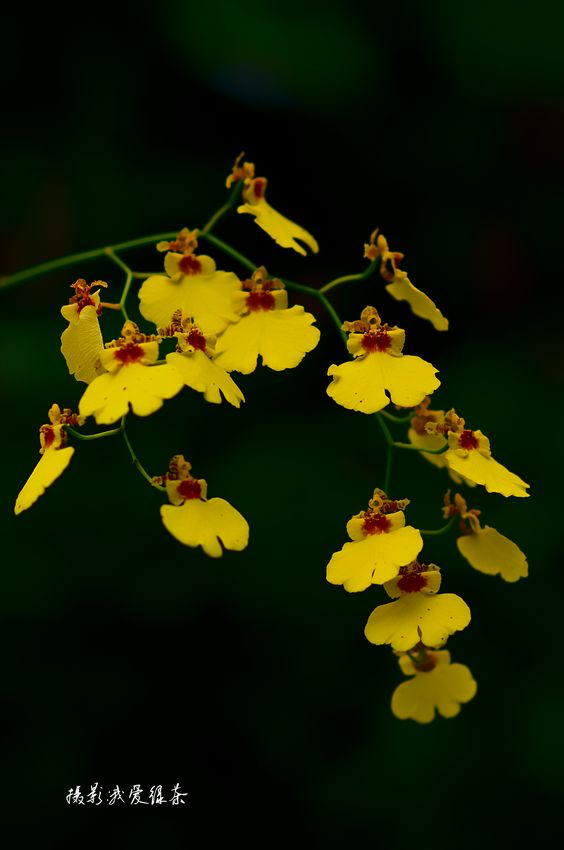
(425, 434)
(192, 285)
(193, 361)
(195, 520)
(381, 544)
(436, 684)
(81, 341)
(281, 229)
(486, 549)
(469, 455)
(379, 366)
(281, 335)
(55, 457)
(417, 613)
(399, 286)
(131, 382)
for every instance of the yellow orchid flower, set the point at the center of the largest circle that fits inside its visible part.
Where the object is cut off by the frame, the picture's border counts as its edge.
(130, 381)
(55, 457)
(281, 229)
(432, 438)
(469, 455)
(81, 341)
(402, 289)
(486, 549)
(381, 544)
(193, 361)
(196, 521)
(436, 684)
(192, 285)
(379, 366)
(417, 613)
(399, 286)
(280, 335)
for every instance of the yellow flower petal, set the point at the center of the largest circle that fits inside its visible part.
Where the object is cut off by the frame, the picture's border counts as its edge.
(487, 471)
(490, 552)
(81, 342)
(281, 337)
(207, 524)
(143, 388)
(203, 375)
(402, 289)
(205, 296)
(360, 384)
(53, 463)
(443, 688)
(417, 616)
(374, 559)
(283, 231)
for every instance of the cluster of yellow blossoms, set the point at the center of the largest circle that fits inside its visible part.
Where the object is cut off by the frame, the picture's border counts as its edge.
(212, 324)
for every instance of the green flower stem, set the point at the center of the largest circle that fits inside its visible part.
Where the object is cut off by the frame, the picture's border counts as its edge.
(83, 257)
(409, 447)
(446, 527)
(124, 294)
(97, 436)
(348, 278)
(118, 260)
(389, 453)
(227, 249)
(137, 462)
(233, 198)
(400, 420)
(144, 275)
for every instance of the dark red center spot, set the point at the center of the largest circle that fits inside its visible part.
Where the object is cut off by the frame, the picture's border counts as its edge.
(378, 524)
(196, 340)
(189, 264)
(85, 301)
(48, 436)
(129, 353)
(376, 341)
(260, 300)
(258, 188)
(467, 440)
(412, 583)
(189, 488)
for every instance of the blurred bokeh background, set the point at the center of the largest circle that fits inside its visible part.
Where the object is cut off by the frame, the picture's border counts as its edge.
(129, 659)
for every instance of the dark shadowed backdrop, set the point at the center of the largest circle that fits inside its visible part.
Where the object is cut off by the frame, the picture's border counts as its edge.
(127, 658)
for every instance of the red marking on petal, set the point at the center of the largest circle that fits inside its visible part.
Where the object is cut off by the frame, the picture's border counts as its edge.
(129, 353)
(412, 583)
(48, 436)
(468, 441)
(85, 301)
(378, 524)
(258, 188)
(196, 339)
(189, 264)
(189, 488)
(376, 341)
(260, 301)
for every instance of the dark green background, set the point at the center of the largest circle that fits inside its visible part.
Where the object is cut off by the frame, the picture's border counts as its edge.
(129, 659)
